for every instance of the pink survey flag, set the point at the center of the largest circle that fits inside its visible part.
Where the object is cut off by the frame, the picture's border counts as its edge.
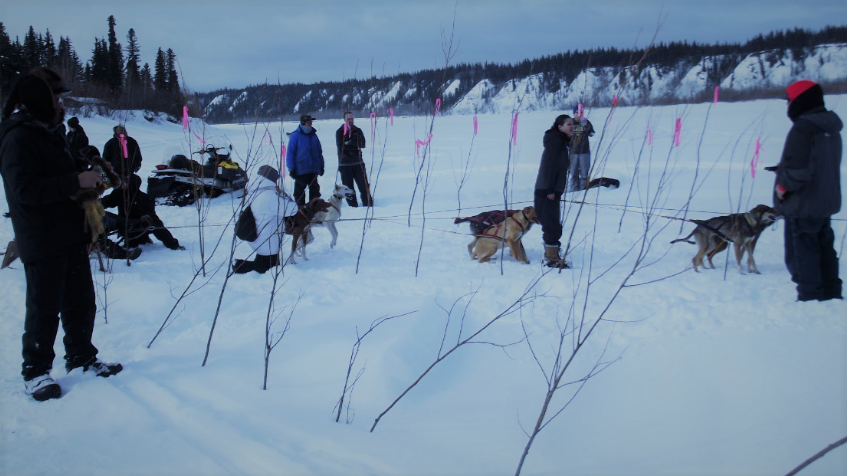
(677, 131)
(419, 143)
(717, 91)
(184, 117)
(122, 139)
(199, 138)
(515, 128)
(282, 153)
(755, 161)
(437, 106)
(346, 128)
(475, 126)
(391, 114)
(615, 100)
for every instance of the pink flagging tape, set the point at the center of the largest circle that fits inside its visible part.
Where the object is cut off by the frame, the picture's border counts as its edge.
(203, 142)
(649, 135)
(615, 100)
(475, 125)
(419, 143)
(391, 114)
(755, 161)
(346, 128)
(437, 106)
(515, 128)
(184, 117)
(717, 92)
(677, 131)
(122, 139)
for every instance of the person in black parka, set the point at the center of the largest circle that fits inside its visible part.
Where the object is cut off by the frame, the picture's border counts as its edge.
(350, 141)
(550, 185)
(41, 179)
(807, 192)
(141, 214)
(114, 154)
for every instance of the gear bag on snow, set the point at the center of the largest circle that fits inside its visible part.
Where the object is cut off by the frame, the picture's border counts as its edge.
(245, 226)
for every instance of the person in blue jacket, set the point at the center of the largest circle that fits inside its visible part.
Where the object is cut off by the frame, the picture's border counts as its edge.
(305, 161)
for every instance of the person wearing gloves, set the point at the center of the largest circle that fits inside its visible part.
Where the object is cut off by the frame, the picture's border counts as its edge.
(270, 206)
(350, 141)
(807, 192)
(305, 160)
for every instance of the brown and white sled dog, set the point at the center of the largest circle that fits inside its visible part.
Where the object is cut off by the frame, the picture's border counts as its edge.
(742, 229)
(328, 218)
(508, 232)
(299, 226)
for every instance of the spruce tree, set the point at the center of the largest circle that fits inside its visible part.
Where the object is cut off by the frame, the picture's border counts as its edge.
(173, 79)
(160, 74)
(115, 65)
(133, 75)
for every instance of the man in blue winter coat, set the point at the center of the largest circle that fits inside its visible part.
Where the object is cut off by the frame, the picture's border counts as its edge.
(305, 160)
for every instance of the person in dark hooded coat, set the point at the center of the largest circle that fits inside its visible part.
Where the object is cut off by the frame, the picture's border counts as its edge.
(807, 192)
(41, 179)
(114, 154)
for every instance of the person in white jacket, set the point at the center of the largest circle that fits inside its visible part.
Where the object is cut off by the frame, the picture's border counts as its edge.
(269, 205)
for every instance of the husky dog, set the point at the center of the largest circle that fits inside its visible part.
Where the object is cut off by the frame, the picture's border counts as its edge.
(299, 226)
(328, 218)
(508, 232)
(742, 229)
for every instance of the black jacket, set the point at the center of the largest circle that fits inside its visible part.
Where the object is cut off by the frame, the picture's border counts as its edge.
(77, 138)
(581, 133)
(140, 203)
(810, 167)
(113, 154)
(40, 178)
(553, 171)
(350, 145)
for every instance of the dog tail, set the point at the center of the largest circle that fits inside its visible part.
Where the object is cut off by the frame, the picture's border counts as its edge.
(686, 240)
(460, 220)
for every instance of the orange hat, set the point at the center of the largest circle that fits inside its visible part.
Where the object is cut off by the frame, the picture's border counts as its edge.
(799, 87)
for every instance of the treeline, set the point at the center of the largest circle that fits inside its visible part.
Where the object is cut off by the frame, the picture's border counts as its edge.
(113, 76)
(418, 90)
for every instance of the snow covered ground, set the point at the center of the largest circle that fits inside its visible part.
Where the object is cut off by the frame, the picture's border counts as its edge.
(719, 373)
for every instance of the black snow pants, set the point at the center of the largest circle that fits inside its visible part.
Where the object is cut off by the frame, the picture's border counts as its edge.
(548, 214)
(810, 258)
(58, 286)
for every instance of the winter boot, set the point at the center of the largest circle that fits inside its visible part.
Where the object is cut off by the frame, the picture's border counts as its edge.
(242, 266)
(552, 258)
(100, 368)
(43, 388)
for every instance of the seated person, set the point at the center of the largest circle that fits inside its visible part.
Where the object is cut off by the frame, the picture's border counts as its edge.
(142, 216)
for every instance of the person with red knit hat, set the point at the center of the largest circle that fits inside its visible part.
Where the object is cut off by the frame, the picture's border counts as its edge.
(807, 192)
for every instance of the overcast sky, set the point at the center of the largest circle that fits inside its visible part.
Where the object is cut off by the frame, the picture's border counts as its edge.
(235, 43)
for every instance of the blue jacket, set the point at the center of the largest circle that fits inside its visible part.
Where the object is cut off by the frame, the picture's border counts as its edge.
(304, 153)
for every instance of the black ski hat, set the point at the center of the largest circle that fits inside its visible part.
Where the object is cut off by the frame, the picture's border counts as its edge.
(35, 95)
(73, 122)
(269, 173)
(306, 118)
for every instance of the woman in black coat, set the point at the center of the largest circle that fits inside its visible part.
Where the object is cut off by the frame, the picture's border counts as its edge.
(550, 185)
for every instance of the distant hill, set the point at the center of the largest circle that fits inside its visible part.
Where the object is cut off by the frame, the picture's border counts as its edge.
(669, 73)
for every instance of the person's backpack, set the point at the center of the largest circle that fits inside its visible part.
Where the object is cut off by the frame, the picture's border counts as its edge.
(245, 226)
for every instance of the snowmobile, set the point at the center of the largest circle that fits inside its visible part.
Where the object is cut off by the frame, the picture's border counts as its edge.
(182, 180)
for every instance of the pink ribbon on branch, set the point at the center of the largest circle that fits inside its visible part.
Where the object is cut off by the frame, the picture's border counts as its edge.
(614, 100)
(391, 114)
(203, 142)
(755, 161)
(515, 128)
(677, 131)
(475, 126)
(419, 143)
(122, 139)
(437, 106)
(282, 153)
(184, 117)
(346, 128)
(717, 91)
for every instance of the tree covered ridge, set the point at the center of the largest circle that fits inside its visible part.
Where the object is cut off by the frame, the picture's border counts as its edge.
(113, 75)
(418, 90)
